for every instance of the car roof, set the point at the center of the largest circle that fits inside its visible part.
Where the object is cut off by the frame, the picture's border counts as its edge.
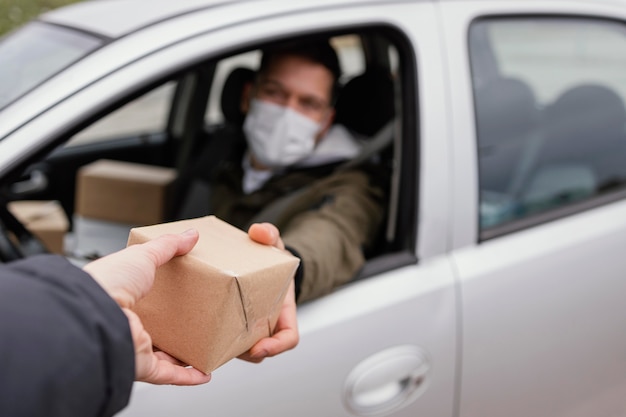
(116, 18)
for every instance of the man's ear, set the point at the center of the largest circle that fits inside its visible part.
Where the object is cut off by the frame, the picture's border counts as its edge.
(246, 95)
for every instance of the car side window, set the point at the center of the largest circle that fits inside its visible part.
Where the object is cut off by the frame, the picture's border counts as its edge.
(144, 115)
(550, 115)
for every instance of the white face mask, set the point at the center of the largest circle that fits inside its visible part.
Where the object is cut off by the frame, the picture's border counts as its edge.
(278, 136)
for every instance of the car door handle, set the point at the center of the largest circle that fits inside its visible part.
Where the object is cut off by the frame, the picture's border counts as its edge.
(387, 380)
(38, 181)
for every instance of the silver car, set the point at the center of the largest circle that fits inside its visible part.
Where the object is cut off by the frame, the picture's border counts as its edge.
(498, 286)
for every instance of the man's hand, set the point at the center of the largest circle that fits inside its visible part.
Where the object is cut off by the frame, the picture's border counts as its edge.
(286, 334)
(127, 276)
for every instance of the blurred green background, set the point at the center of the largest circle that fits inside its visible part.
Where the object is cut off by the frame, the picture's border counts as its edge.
(14, 13)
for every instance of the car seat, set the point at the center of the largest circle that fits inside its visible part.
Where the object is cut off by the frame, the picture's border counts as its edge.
(366, 102)
(507, 118)
(191, 190)
(366, 106)
(506, 115)
(584, 149)
(232, 90)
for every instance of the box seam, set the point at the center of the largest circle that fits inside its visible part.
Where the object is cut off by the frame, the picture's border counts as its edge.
(243, 305)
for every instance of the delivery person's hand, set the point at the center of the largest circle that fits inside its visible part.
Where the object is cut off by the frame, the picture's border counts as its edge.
(127, 276)
(286, 334)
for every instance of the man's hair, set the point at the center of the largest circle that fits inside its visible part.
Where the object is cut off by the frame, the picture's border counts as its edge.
(318, 51)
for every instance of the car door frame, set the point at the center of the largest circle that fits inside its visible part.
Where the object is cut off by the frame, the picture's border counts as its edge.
(422, 293)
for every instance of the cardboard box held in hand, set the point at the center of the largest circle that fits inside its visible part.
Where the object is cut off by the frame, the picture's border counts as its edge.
(214, 303)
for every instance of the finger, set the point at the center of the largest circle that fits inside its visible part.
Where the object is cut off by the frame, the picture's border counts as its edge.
(265, 233)
(168, 358)
(165, 247)
(247, 356)
(286, 337)
(286, 334)
(280, 342)
(168, 373)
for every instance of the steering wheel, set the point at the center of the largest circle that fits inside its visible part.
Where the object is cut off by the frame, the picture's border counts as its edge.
(16, 241)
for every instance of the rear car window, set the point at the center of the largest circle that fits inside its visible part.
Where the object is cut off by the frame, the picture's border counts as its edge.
(550, 98)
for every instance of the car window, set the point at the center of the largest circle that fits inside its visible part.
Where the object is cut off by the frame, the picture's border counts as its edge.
(163, 128)
(147, 114)
(550, 114)
(350, 51)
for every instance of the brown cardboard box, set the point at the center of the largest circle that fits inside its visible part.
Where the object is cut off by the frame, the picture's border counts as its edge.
(214, 303)
(124, 192)
(45, 219)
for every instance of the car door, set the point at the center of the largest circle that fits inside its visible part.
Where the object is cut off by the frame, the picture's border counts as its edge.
(539, 186)
(385, 344)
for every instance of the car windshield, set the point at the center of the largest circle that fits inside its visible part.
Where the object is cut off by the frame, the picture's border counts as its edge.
(36, 52)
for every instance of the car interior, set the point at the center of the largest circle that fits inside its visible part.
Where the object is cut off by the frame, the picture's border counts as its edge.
(185, 114)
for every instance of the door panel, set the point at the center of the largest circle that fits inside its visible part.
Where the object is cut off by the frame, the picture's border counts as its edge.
(544, 321)
(411, 307)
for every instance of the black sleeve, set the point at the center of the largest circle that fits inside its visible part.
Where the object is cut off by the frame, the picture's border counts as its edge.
(299, 275)
(65, 345)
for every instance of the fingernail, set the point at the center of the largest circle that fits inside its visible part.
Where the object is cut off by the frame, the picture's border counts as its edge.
(260, 354)
(189, 232)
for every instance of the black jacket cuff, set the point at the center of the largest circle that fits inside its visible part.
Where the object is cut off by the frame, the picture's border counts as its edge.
(299, 275)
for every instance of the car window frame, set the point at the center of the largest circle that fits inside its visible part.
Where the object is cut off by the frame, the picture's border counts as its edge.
(405, 223)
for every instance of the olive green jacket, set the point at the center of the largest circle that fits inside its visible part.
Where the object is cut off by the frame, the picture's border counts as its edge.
(327, 216)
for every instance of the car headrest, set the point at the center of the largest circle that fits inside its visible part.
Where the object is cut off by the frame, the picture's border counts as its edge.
(585, 119)
(231, 94)
(588, 107)
(366, 102)
(505, 109)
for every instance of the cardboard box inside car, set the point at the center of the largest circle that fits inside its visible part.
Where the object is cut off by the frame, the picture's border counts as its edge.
(45, 219)
(212, 304)
(124, 192)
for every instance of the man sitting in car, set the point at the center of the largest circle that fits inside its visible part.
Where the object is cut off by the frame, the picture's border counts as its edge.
(284, 168)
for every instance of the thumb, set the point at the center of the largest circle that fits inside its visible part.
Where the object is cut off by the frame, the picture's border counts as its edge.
(266, 233)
